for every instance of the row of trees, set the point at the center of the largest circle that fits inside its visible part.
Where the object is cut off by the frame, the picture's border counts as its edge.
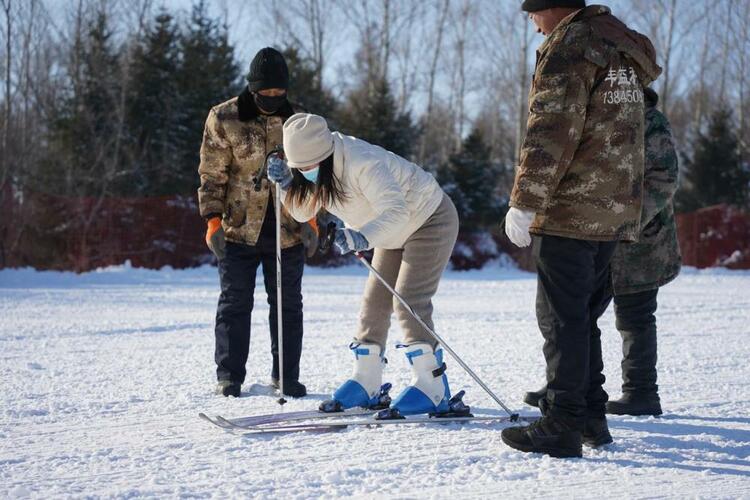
(112, 116)
(108, 97)
(465, 66)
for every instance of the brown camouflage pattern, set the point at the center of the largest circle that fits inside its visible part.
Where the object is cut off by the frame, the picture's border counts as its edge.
(231, 156)
(655, 259)
(581, 166)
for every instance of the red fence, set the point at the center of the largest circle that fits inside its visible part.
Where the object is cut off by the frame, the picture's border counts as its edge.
(52, 232)
(717, 236)
(80, 234)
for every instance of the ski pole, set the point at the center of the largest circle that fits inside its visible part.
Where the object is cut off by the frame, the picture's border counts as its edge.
(277, 151)
(513, 416)
(279, 315)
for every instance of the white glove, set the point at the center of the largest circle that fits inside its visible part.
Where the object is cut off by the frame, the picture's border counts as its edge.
(517, 223)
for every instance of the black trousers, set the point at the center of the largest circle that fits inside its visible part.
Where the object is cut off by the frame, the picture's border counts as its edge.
(636, 323)
(237, 273)
(573, 291)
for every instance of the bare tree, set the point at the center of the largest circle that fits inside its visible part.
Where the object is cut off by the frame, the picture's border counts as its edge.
(741, 45)
(7, 6)
(443, 9)
(700, 105)
(438, 45)
(523, 89)
(304, 25)
(462, 22)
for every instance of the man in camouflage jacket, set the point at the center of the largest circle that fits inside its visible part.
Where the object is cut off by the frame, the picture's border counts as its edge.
(639, 269)
(236, 199)
(578, 191)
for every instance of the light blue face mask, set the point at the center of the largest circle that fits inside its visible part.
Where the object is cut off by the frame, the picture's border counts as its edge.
(311, 175)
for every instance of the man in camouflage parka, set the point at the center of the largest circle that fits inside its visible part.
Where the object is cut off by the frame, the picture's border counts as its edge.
(236, 199)
(578, 191)
(640, 269)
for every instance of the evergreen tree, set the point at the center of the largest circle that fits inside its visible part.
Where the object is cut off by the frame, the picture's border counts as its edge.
(155, 109)
(371, 114)
(304, 88)
(87, 132)
(715, 174)
(208, 75)
(471, 179)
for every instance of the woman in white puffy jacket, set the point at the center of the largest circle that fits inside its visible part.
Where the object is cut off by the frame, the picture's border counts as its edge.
(392, 205)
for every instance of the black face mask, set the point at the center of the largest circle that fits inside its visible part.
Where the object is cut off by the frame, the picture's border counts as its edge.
(269, 104)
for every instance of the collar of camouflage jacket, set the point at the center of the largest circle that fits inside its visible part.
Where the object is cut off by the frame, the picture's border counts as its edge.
(248, 110)
(615, 33)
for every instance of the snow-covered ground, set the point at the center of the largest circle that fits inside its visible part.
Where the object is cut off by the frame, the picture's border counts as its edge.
(103, 375)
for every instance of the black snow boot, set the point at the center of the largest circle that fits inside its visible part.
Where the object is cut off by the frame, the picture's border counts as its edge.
(596, 432)
(532, 398)
(636, 404)
(292, 388)
(228, 388)
(547, 435)
(637, 325)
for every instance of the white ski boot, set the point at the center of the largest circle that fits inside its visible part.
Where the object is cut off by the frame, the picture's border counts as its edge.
(428, 391)
(364, 388)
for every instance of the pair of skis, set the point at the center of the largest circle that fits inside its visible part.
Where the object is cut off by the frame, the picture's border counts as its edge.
(316, 421)
(356, 417)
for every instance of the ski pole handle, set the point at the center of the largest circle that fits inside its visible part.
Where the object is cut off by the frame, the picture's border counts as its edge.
(277, 151)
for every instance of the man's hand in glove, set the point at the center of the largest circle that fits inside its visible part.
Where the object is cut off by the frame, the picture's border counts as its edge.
(517, 223)
(215, 237)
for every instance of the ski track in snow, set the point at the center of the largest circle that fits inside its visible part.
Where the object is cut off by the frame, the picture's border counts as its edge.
(103, 375)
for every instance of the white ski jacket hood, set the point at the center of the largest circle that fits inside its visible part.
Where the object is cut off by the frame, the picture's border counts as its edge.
(387, 198)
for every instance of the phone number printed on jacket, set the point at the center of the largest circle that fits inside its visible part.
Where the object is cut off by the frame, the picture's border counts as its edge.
(623, 78)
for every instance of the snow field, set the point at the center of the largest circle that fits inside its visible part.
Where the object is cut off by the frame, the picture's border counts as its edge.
(103, 375)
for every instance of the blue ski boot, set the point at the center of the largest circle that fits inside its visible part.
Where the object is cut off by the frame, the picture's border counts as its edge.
(363, 388)
(428, 391)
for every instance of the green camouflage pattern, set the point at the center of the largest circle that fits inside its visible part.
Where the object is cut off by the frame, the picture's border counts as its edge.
(581, 165)
(231, 156)
(655, 259)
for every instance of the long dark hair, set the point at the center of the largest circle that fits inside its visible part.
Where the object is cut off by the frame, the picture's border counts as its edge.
(326, 190)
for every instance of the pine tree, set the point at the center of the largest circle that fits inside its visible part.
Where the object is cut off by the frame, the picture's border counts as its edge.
(371, 114)
(715, 174)
(87, 132)
(155, 109)
(471, 179)
(208, 75)
(304, 88)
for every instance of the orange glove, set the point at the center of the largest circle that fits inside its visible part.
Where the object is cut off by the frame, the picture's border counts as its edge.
(309, 234)
(215, 237)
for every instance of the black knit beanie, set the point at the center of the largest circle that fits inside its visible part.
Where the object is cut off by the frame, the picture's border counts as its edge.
(268, 71)
(537, 5)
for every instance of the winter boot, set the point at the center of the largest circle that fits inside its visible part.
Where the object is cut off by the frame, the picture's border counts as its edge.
(228, 388)
(636, 404)
(637, 325)
(292, 388)
(363, 388)
(532, 398)
(428, 391)
(596, 432)
(548, 435)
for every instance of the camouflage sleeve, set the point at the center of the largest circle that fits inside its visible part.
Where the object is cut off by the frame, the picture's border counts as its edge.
(557, 115)
(216, 156)
(661, 166)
